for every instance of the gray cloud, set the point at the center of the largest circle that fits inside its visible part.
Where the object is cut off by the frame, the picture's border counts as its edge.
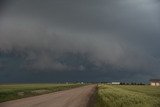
(123, 35)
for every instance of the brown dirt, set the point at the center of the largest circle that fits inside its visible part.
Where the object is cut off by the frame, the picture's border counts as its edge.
(77, 97)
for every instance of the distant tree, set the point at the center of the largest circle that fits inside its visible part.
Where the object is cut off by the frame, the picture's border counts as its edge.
(122, 83)
(142, 83)
(127, 83)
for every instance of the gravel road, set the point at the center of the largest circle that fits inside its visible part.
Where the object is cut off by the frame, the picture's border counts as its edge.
(77, 97)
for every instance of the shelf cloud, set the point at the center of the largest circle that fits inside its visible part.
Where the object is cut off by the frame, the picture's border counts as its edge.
(95, 39)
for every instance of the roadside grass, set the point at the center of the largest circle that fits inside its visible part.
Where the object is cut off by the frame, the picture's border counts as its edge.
(127, 96)
(16, 91)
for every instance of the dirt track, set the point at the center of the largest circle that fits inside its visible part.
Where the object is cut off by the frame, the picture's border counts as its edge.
(77, 97)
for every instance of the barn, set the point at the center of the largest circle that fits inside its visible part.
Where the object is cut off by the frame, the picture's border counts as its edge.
(155, 82)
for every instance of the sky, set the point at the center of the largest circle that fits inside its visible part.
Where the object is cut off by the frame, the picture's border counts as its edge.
(79, 40)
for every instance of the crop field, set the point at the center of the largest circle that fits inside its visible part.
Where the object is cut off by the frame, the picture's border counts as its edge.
(16, 91)
(127, 96)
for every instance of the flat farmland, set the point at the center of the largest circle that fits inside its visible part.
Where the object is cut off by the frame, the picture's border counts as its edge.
(16, 91)
(127, 96)
(75, 97)
(103, 95)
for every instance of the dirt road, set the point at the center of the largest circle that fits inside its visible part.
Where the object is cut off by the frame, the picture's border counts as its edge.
(77, 97)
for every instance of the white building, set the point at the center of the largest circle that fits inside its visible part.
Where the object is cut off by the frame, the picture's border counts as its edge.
(155, 82)
(115, 83)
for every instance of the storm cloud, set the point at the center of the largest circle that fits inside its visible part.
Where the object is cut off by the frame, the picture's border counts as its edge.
(98, 40)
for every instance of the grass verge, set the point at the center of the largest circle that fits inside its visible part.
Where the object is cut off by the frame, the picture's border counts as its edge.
(17, 91)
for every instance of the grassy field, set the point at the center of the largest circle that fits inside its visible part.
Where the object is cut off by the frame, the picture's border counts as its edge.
(16, 91)
(127, 96)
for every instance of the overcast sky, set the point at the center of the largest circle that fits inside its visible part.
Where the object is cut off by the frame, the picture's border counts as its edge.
(79, 40)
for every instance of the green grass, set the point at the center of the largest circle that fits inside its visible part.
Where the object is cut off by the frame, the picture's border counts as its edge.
(16, 91)
(127, 96)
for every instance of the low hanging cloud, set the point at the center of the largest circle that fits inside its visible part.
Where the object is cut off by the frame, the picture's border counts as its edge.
(43, 47)
(109, 37)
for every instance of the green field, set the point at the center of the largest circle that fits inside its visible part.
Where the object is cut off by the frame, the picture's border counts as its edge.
(127, 96)
(16, 91)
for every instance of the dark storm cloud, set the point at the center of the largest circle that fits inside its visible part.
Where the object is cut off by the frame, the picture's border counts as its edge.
(114, 36)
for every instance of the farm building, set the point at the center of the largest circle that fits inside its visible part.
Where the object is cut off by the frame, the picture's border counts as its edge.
(155, 82)
(115, 83)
